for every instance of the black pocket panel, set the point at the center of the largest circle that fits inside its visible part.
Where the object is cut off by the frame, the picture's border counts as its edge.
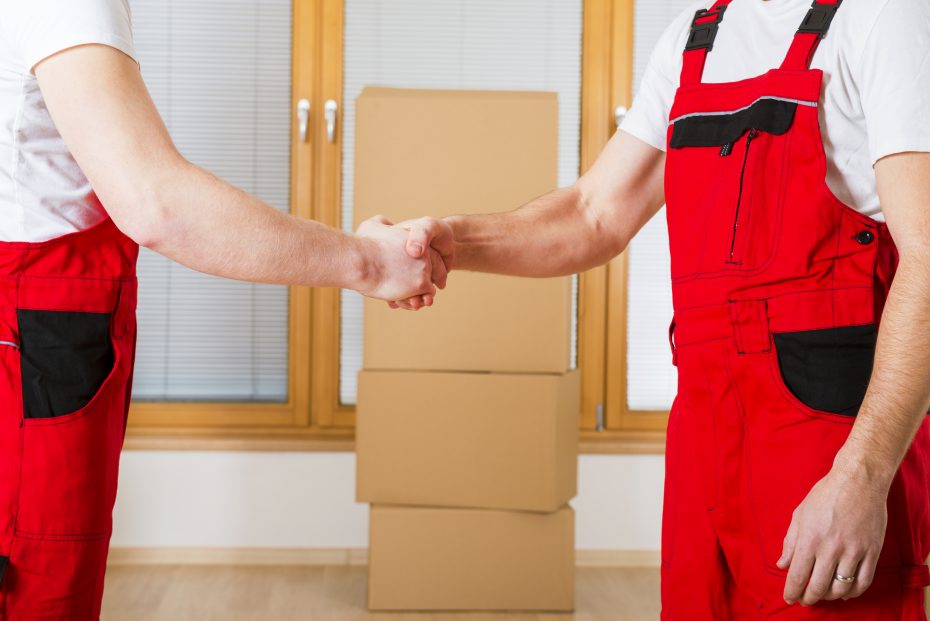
(65, 357)
(829, 369)
(773, 116)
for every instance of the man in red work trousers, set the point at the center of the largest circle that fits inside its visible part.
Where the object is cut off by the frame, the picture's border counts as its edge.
(797, 182)
(76, 123)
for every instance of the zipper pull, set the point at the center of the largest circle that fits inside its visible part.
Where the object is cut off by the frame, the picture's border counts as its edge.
(726, 149)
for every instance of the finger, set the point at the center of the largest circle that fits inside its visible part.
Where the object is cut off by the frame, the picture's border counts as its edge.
(428, 299)
(848, 566)
(393, 305)
(865, 573)
(799, 573)
(821, 579)
(432, 232)
(439, 272)
(405, 304)
(373, 221)
(787, 550)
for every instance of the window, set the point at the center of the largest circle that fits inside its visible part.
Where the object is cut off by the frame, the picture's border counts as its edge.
(641, 379)
(259, 366)
(225, 98)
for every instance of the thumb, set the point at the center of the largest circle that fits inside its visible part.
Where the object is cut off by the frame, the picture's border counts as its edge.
(417, 241)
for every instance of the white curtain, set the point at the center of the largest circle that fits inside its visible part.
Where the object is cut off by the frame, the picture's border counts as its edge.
(220, 74)
(466, 44)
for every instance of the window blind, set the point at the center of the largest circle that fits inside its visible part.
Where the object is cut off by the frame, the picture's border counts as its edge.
(220, 73)
(651, 378)
(464, 44)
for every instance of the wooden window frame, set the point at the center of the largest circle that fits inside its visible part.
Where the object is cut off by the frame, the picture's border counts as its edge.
(313, 417)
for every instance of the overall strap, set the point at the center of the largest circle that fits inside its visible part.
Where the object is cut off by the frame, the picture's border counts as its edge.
(701, 40)
(812, 30)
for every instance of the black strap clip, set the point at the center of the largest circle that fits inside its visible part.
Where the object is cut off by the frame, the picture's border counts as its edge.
(703, 32)
(818, 18)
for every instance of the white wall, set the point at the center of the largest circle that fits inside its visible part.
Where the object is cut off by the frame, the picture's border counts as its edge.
(306, 500)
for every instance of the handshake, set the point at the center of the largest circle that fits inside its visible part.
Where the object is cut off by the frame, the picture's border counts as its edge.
(405, 263)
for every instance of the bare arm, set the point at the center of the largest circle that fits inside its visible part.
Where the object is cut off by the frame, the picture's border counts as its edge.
(103, 111)
(855, 492)
(566, 231)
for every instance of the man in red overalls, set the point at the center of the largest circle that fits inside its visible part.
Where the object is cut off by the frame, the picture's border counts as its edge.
(798, 447)
(68, 284)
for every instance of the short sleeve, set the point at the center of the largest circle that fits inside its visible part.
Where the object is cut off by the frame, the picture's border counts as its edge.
(894, 79)
(41, 28)
(647, 118)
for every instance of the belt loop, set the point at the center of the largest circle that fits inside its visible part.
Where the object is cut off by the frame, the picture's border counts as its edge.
(749, 319)
(671, 342)
(915, 577)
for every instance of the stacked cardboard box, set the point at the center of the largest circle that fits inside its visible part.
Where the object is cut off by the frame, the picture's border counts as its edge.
(467, 412)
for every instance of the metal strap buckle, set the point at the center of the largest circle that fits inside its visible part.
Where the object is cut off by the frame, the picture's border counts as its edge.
(703, 32)
(818, 18)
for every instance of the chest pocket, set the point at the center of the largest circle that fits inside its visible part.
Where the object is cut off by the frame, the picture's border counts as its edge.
(724, 187)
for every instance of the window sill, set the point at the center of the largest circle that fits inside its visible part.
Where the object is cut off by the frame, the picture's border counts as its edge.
(342, 440)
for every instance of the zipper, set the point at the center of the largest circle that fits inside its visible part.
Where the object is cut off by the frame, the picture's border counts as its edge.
(739, 197)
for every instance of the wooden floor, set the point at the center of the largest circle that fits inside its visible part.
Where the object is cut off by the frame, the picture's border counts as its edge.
(182, 593)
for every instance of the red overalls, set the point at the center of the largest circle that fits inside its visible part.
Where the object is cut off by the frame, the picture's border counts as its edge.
(778, 288)
(67, 342)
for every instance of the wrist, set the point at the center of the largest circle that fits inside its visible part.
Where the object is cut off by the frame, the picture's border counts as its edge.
(365, 267)
(458, 225)
(864, 470)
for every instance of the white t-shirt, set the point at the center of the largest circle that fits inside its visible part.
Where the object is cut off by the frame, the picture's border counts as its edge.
(876, 93)
(43, 193)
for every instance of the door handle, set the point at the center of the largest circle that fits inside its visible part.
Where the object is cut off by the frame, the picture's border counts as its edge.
(619, 113)
(303, 118)
(330, 110)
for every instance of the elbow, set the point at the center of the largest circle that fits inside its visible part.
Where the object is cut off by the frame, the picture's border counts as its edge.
(141, 216)
(605, 236)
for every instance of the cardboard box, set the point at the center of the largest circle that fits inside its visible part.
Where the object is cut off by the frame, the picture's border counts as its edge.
(471, 559)
(438, 153)
(481, 440)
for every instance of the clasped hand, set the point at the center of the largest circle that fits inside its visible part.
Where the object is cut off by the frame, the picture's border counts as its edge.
(406, 263)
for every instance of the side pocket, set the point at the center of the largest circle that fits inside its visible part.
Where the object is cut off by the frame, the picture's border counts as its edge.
(827, 370)
(65, 358)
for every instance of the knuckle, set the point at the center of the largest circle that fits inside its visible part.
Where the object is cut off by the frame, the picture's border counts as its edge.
(818, 590)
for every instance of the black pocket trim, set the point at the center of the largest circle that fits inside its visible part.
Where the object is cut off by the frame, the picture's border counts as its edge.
(773, 116)
(829, 369)
(65, 356)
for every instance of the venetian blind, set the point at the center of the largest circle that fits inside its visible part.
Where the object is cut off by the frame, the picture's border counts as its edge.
(651, 378)
(220, 73)
(465, 44)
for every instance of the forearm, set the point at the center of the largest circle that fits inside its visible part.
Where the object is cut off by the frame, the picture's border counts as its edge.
(553, 235)
(209, 225)
(571, 229)
(899, 392)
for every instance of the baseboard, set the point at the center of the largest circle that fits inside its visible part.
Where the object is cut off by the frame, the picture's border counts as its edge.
(329, 556)
(238, 556)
